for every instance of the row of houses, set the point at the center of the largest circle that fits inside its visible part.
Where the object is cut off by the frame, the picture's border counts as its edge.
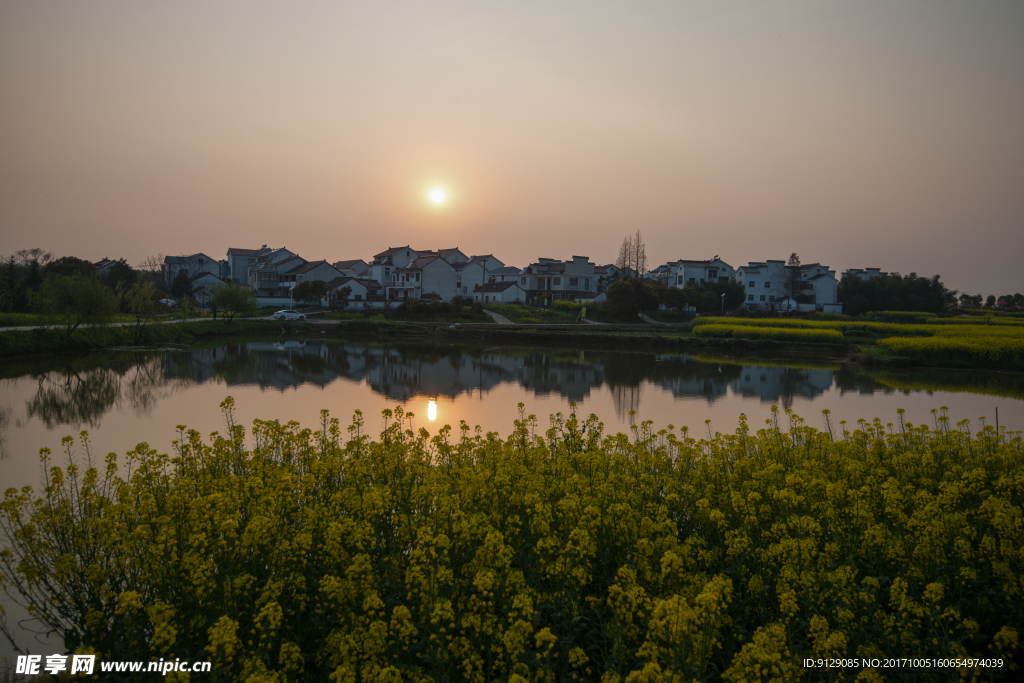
(400, 274)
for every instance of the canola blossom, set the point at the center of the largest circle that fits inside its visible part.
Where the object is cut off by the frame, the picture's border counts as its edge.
(286, 553)
(724, 331)
(954, 348)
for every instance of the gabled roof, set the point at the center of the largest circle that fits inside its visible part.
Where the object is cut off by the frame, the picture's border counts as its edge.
(423, 261)
(391, 251)
(308, 266)
(495, 287)
(349, 263)
(365, 282)
(505, 270)
(462, 264)
(243, 252)
(451, 250)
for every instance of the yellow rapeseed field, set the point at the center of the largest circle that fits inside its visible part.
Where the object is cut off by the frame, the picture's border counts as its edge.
(289, 554)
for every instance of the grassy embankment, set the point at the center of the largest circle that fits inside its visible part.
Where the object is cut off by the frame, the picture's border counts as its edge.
(298, 554)
(54, 340)
(952, 342)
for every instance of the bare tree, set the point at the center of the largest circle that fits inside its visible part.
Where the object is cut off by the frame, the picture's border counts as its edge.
(632, 259)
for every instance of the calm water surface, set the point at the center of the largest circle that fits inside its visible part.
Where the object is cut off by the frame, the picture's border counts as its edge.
(122, 399)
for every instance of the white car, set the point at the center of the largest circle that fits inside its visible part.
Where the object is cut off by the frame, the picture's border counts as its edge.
(168, 302)
(288, 315)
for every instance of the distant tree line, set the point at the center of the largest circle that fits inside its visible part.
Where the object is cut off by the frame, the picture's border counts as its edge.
(69, 292)
(895, 292)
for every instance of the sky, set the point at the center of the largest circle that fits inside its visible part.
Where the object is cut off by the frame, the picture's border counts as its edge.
(857, 134)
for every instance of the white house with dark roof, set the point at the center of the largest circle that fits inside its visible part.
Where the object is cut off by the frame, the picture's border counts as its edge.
(357, 265)
(468, 276)
(864, 273)
(504, 274)
(767, 285)
(384, 264)
(427, 277)
(574, 279)
(499, 292)
(194, 265)
(687, 272)
(362, 290)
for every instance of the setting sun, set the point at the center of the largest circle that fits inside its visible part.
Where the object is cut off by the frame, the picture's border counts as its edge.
(438, 195)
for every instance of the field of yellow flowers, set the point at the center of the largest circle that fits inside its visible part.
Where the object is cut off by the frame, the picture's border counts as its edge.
(562, 554)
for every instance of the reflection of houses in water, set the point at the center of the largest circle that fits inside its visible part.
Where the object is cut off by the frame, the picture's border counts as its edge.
(401, 373)
(780, 385)
(685, 376)
(553, 373)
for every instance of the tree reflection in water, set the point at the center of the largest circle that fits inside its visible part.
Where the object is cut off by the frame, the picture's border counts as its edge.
(81, 391)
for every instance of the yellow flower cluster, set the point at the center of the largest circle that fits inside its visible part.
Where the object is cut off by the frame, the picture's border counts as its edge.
(952, 348)
(794, 334)
(565, 554)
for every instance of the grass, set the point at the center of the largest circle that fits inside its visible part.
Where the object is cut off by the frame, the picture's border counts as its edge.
(30, 342)
(521, 314)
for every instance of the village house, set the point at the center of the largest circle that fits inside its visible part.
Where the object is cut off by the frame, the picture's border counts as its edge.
(384, 264)
(357, 266)
(363, 290)
(241, 260)
(499, 292)
(685, 272)
(768, 286)
(273, 281)
(550, 278)
(503, 274)
(194, 265)
(427, 277)
(864, 273)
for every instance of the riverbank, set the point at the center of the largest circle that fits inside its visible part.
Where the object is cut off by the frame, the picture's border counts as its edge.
(21, 343)
(846, 348)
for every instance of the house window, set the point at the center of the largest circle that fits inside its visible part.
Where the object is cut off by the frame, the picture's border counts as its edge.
(417, 277)
(767, 285)
(574, 282)
(586, 284)
(523, 280)
(557, 281)
(750, 284)
(693, 280)
(762, 297)
(358, 297)
(464, 290)
(387, 272)
(750, 297)
(679, 279)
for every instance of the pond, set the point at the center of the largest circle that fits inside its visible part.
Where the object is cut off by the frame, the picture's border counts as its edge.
(123, 398)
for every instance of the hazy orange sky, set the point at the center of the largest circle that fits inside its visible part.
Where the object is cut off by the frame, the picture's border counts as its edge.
(886, 134)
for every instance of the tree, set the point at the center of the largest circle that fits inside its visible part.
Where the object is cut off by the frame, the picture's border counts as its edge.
(794, 282)
(74, 300)
(138, 300)
(632, 261)
(341, 297)
(311, 291)
(119, 276)
(457, 304)
(233, 299)
(69, 265)
(645, 295)
(622, 299)
(990, 301)
(710, 302)
(181, 288)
